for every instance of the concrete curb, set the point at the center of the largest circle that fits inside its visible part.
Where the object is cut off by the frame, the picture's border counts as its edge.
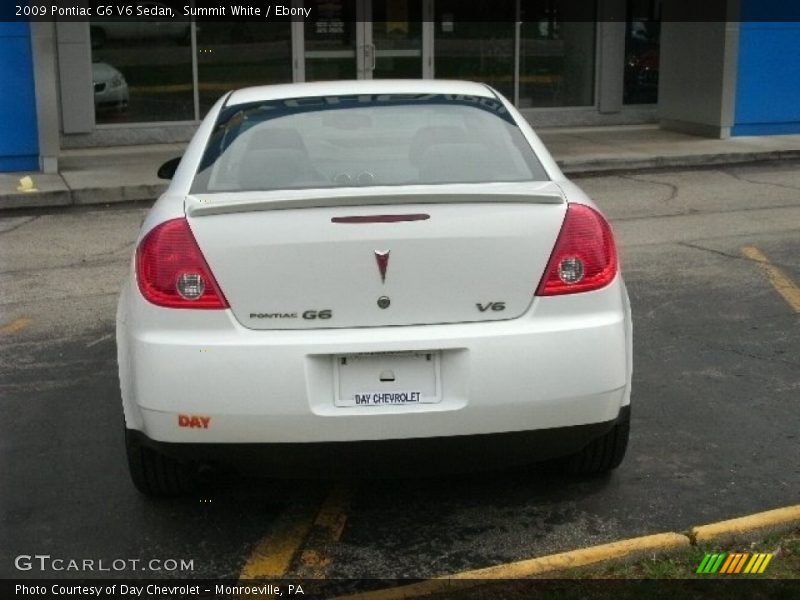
(35, 200)
(781, 518)
(114, 195)
(771, 519)
(66, 196)
(609, 166)
(81, 196)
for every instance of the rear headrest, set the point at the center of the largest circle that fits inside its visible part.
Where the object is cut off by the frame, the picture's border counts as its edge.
(425, 137)
(271, 168)
(463, 163)
(277, 138)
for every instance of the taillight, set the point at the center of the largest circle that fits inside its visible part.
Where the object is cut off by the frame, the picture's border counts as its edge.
(172, 272)
(584, 258)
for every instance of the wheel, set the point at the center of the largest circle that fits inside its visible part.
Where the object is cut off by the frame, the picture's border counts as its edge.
(603, 454)
(155, 474)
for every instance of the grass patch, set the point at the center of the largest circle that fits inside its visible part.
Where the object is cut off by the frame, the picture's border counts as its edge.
(669, 576)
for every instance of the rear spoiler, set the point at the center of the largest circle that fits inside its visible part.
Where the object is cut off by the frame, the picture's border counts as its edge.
(223, 203)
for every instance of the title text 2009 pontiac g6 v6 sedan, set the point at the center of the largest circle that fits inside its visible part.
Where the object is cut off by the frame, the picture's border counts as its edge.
(371, 275)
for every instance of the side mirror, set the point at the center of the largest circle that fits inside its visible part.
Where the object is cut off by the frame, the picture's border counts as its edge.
(167, 170)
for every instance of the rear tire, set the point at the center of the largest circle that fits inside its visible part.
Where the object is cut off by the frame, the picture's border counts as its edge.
(155, 474)
(603, 454)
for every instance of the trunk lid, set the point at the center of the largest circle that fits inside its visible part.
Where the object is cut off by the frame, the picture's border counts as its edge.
(361, 258)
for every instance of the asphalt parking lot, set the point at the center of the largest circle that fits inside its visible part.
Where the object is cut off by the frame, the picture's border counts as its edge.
(712, 262)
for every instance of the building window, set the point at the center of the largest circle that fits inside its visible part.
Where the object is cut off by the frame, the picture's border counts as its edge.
(475, 51)
(557, 58)
(642, 43)
(330, 43)
(235, 55)
(142, 71)
(556, 62)
(397, 36)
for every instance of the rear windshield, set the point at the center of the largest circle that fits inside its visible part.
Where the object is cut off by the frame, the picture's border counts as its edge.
(323, 142)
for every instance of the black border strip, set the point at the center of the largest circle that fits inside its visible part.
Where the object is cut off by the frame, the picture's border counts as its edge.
(313, 589)
(459, 11)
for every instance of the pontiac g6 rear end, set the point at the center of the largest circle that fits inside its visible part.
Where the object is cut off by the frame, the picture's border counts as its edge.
(397, 266)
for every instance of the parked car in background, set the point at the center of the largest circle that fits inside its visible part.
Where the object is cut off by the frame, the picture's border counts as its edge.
(110, 87)
(641, 77)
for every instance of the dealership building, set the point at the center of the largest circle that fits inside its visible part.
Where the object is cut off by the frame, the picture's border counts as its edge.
(108, 83)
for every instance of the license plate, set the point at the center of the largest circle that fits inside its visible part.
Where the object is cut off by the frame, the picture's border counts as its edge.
(387, 379)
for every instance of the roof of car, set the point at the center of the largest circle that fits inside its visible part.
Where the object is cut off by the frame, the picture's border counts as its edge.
(364, 86)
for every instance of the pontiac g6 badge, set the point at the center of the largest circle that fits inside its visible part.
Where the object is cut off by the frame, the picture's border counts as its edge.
(382, 257)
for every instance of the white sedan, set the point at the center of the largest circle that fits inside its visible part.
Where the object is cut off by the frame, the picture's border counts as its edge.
(110, 87)
(368, 275)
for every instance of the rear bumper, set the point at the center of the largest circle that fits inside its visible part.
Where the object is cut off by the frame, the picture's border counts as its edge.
(112, 96)
(387, 458)
(564, 363)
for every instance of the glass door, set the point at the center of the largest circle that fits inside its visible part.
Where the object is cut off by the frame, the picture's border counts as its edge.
(330, 43)
(382, 39)
(393, 44)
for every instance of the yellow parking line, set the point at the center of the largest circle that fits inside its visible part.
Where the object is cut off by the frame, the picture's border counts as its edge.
(332, 515)
(272, 557)
(779, 280)
(328, 528)
(15, 325)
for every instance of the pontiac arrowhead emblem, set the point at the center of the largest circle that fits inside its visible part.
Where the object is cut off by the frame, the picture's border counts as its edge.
(382, 258)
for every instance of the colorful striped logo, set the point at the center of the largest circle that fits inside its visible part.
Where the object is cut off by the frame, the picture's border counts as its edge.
(734, 563)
